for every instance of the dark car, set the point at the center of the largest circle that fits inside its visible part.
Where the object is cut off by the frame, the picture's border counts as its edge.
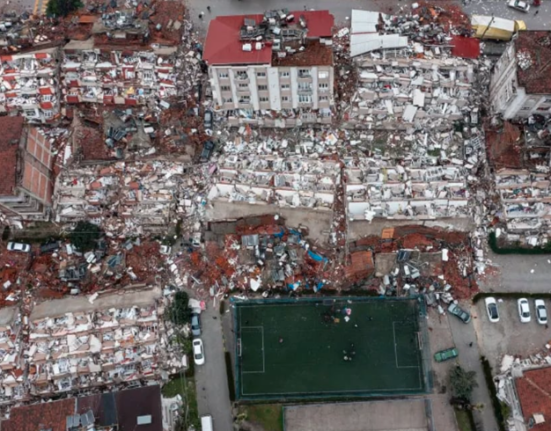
(195, 325)
(208, 148)
(209, 117)
(456, 310)
(49, 247)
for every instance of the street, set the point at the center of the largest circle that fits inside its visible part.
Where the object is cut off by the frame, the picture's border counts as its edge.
(212, 385)
(342, 9)
(469, 359)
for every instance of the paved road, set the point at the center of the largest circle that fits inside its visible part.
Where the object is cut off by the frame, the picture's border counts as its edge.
(212, 384)
(469, 359)
(518, 273)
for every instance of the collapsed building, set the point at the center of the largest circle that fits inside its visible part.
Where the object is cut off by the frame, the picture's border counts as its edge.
(281, 61)
(127, 60)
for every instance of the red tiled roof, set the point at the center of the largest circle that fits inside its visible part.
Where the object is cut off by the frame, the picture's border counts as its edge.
(40, 416)
(12, 128)
(223, 45)
(533, 392)
(535, 46)
(465, 47)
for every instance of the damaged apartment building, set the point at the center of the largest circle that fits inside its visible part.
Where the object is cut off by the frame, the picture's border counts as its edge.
(127, 60)
(281, 61)
(521, 84)
(417, 106)
(27, 156)
(285, 182)
(81, 343)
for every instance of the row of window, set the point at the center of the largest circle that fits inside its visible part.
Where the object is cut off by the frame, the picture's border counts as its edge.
(301, 86)
(302, 98)
(302, 73)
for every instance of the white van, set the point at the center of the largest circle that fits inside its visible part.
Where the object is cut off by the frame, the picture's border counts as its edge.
(206, 423)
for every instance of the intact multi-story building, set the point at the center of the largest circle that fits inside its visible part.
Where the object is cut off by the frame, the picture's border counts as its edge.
(274, 61)
(521, 83)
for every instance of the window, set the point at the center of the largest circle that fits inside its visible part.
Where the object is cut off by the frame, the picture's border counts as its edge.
(48, 114)
(304, 86)
(303, 73)
(324, 98)
(263, 99)
(262, 87)
(323, 75)
(243, 85)
(285, 86)
(227, 100)
(225, 88)
(285, 99)
(323, 85)
(284, 74)
(47, 98)
(261, 74)
(241, 74)
(223, 75)
(30, 113)
(245, 99)
(304, 98)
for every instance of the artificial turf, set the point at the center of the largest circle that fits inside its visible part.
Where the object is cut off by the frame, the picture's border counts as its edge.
(298, 348)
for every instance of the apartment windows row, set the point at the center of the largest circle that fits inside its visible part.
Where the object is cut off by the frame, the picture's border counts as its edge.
(302, 73)
(301, 98)
(302, 86)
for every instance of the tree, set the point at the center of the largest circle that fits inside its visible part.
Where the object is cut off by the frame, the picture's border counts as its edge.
(462, 382)
(62, 7)
(84, 236)
(179, 311)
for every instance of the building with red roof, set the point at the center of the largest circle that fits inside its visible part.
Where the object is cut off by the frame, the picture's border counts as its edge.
(27, 185)
(521, 82)
(275, 61)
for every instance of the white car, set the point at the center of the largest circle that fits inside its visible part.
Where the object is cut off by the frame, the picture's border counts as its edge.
(541, 311)
(491, 308)
(519, 5)
(198, 353)
(524, 310)
(166, 249)
(19, 246)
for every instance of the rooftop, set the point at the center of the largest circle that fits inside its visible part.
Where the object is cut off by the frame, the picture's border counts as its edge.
(533, 392)
(11, 127)
(533, 52)
(227, 39)
(121, 407)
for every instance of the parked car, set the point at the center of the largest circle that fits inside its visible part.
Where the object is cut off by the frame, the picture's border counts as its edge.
(208, 119)
(195, 325)
(524, 310)
(19, 246)
(456, 310)
(208, 148)
(49, 247)
(519, 5)
(445, 355)
(198, 353)
(166, 249)
(541, 311)
(491, 308)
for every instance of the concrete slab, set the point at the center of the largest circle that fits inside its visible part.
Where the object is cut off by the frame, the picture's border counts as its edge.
(317, 221)
(7, 314)
(121, 299)
(395, 415)
(362, 228)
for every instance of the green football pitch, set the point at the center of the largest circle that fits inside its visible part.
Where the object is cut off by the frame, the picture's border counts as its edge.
(324, 348)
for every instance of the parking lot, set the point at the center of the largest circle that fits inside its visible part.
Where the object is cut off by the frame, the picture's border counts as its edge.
(509, 335)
